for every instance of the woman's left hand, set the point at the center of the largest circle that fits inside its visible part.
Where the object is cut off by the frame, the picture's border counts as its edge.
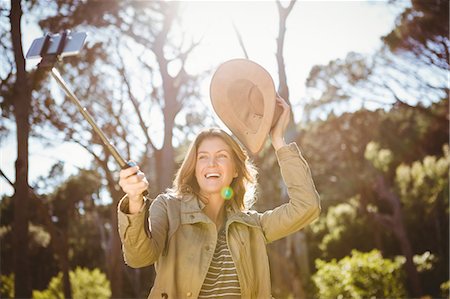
(279, 129)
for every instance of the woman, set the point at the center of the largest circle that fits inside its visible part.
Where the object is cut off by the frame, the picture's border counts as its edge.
(204, 241)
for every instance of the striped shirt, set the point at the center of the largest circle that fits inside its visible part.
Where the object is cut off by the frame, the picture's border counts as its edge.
(221, 280)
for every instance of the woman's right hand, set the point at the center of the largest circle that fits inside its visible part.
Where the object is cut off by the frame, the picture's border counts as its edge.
(133, 182)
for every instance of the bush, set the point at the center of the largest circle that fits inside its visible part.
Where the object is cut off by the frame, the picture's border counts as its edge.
(7, 286)
(445, 286)
(85, 283)
(361, 275)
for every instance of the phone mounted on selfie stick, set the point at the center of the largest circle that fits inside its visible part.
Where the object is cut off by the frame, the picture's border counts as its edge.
(52, 48)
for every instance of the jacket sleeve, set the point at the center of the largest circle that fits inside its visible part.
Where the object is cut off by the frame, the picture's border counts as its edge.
(304, 202)
(139, 247)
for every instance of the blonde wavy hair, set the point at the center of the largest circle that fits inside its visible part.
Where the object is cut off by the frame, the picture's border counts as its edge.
(244, 185)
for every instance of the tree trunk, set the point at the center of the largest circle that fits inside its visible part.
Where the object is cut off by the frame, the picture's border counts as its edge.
(297, 248)
(115, 256)
(166, 164)
(394, 222)
(297, 261)
(165, 157)
(22, 100)
(58, 241)
(64, 263)
(411, 271)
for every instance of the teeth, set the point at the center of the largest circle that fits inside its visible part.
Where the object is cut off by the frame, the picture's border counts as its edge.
(209, 175)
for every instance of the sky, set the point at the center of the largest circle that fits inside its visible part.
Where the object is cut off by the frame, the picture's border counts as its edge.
(317, 32)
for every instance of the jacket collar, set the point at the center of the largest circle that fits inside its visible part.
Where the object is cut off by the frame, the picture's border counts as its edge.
(191, 204)
(243, 218)
(191, 212)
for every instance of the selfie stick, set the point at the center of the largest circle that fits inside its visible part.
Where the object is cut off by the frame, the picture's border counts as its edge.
(48, 61)
(112, 149)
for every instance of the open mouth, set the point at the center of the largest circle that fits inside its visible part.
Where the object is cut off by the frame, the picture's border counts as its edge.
(212, 175)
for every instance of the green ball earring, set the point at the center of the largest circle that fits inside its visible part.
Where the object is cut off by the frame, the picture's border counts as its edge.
(227, 193)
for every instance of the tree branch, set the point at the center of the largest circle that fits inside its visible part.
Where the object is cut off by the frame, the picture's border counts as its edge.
(135, 104)
(283, 12)
(6, 178)
(241, 42)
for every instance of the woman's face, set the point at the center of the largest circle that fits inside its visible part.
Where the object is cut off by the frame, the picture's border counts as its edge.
(214, 168)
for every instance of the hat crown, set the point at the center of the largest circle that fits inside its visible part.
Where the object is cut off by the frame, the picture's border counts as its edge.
(243, 96)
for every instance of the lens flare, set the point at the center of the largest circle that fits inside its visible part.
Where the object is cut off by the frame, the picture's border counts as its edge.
(227, 193)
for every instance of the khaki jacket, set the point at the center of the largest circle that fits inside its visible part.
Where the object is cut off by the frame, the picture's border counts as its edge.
(182, 238)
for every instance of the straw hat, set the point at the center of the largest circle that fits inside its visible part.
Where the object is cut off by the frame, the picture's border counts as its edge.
(243, 96)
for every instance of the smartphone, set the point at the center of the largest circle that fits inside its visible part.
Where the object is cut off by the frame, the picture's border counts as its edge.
(74, 43)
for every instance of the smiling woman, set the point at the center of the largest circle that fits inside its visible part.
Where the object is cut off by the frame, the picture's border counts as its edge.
(215, 169)
(213, 163)
(201, 234)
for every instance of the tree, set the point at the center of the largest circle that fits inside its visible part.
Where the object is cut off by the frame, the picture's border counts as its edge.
(335, 150)
(64, 203)
(422, 31)
(410, 72)
(336, 147)
(21, 107)
(56, 220)
(294, 246)
(410, 69)
(423, 190)
(392, 220)
(112, 99)
(381, 80)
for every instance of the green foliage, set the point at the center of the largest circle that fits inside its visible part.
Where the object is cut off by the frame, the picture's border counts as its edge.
(73, 210)
(4, 229)
(54, 290)
(342, 229)
(424, 180)
(7, 286)
(445, 287)
(337, 150)
(381, 158)
(78, 215)
(425, 262)
(85, 283)
(39, 235)
(423, 188)
(89, 284)
(361, 275)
